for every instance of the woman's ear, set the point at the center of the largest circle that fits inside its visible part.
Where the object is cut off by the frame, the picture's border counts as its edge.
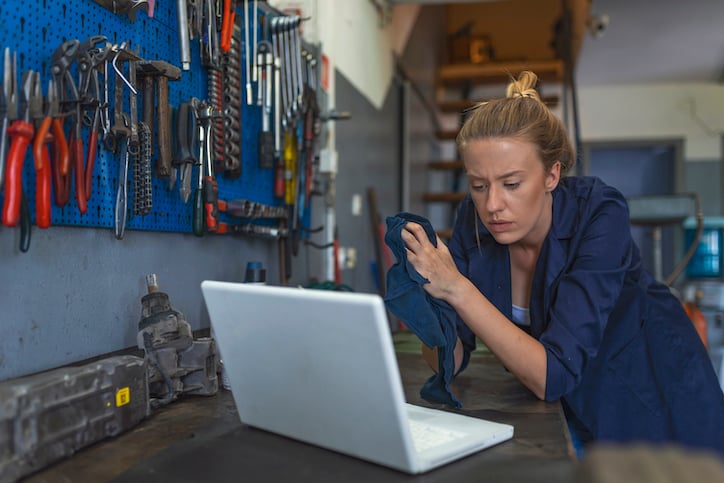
(553, 176)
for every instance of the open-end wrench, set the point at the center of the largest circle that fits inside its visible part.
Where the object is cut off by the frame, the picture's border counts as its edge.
(297, 46)
(280, 86)
(266, 137)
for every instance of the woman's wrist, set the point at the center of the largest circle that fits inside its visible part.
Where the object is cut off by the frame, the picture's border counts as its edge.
(459, 292)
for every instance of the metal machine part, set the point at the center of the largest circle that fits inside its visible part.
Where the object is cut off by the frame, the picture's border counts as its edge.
(177, 364)
(51, 415)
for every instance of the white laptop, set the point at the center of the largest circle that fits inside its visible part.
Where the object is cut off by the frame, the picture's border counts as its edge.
(319, 366)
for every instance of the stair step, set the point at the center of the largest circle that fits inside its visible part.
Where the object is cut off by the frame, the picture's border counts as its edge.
(446, 135)
(498, 72)
(450, 197)
(458, 106)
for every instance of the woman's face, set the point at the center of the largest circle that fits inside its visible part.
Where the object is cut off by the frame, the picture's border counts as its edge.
(510, 188)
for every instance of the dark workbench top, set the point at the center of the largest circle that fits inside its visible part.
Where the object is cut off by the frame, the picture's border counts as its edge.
(201, 439)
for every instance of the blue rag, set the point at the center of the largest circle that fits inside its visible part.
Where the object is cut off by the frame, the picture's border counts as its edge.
(430, 319)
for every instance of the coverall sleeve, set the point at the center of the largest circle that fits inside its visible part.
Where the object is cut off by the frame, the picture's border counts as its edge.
(585, 293)
(463, 224)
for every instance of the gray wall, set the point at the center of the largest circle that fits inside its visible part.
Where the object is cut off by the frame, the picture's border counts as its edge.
(77, 292)
(703, 178)
(369, 145)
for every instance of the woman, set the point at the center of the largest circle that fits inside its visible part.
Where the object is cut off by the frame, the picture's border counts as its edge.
(555, 256)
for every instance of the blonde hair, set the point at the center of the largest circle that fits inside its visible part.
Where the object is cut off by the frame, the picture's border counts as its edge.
(522, 115)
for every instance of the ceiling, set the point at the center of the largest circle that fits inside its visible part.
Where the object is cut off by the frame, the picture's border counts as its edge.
(647, 41)
(655, 41)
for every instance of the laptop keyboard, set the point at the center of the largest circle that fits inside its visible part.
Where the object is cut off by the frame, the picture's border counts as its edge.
(425, 436)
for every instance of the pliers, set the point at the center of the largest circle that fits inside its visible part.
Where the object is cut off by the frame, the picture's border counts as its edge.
(43, 136)
(8, 106)
(88, 58)
(62, 59)
(21, 131)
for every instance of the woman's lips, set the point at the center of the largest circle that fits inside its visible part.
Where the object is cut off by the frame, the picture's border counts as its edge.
(500, 226)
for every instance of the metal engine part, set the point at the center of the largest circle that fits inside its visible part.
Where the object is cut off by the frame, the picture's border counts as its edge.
(177, 364)
(50, 416)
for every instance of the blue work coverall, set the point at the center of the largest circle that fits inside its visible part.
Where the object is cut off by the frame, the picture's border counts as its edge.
(622, 354)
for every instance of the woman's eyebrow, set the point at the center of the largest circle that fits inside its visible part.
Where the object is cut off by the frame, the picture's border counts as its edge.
(502, 176)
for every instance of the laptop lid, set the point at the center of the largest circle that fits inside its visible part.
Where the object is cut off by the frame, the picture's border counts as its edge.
(319, 366)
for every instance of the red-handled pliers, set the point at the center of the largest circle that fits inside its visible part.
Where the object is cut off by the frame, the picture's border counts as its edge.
(43, 136)
(21, 132)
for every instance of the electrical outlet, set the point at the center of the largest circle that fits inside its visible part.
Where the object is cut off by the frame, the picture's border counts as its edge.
(356, 204)
(347, 257)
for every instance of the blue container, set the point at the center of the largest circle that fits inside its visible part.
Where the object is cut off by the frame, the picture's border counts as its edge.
(707, 259)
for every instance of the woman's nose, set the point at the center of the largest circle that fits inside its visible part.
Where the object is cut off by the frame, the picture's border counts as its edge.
(495, 201)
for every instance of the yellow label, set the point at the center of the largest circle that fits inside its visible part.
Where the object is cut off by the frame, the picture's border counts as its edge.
(123, 396)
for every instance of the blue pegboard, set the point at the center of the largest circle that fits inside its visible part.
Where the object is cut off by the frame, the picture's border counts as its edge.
(34, 29)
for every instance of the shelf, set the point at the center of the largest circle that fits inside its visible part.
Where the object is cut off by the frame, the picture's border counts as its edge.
(444, 165)
(449, 197)
(498, 72)
(447, 135)
(458, 106)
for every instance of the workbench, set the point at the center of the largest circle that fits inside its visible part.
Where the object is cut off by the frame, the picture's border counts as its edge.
(200, 439)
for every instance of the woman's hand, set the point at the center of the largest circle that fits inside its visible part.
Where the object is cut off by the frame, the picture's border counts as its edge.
(434, 263)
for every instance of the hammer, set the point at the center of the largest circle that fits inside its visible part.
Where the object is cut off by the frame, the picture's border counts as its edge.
(161, 71)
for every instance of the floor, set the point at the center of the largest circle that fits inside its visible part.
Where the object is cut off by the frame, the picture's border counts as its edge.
(406, 341)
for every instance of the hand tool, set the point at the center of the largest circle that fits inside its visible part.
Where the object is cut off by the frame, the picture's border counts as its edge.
(88, 58)
(290, 68)
(266, 137)
(254, 40)
(227, 24)
(69, 96)
(183, 34)
(43, 137)
(278, 162)
(184, 158)
(277, 232)
(122, 134)
(311, 125)
(242, 208)
(277, 47)
(160, 72)
(8, 106)
(215, 95)
(211, 189)
(197, 214)
(206, 203)
(139, 148)
(109, 140)
(128, 7)
(142, 182)
(209, 40)
(249, 95)
(61, 60)
(21, 132)
(227, 126)
(121, 206)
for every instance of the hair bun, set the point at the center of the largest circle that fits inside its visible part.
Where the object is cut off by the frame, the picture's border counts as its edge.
(524, 86)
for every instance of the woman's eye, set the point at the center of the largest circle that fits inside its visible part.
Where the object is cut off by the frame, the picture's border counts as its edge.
(512, 186)
(480, 187)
